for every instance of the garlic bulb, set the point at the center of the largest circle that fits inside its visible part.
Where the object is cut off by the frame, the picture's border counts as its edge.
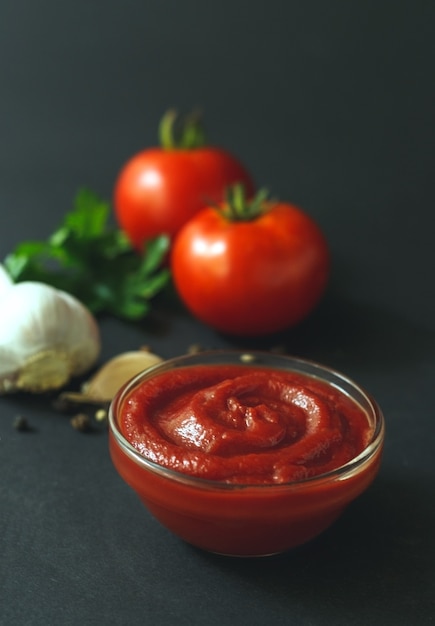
(46, 337)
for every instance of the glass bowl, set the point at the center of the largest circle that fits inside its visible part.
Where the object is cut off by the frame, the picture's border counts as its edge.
(245, 519)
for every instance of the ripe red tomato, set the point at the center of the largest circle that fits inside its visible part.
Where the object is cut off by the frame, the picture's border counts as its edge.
(251, 276)
(159, 189)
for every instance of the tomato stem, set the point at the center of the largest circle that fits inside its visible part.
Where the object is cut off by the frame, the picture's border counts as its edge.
(181, 133)
(238, 208)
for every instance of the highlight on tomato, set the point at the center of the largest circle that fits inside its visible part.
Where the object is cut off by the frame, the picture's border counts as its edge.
(250, 267)
(161, 188)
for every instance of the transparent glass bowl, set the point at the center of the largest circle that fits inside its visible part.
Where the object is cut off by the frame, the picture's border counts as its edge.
(247, 520)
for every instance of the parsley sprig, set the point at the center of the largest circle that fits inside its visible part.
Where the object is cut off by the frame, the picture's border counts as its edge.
(94, 262)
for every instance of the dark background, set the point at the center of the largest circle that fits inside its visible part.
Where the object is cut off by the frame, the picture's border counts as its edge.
(330, 105)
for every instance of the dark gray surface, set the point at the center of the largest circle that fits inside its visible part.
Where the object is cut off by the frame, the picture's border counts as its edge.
(331, 106)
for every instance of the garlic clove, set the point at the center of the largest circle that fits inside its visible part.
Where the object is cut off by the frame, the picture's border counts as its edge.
(116, 372)
(102, 387)
(46, 337)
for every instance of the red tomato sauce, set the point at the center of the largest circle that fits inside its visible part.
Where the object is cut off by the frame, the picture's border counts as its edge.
(242, 425)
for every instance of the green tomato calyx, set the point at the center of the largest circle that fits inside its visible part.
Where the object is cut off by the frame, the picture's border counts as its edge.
(177, 132)
(239, 208)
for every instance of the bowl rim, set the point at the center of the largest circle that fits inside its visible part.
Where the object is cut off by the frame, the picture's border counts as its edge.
(254, 358)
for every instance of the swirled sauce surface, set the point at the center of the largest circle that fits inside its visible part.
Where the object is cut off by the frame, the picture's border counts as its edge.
(245, 425)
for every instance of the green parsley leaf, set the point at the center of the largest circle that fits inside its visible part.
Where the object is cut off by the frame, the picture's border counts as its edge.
(95, 263)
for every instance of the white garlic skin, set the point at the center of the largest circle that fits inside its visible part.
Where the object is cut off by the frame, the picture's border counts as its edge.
(46, 337)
